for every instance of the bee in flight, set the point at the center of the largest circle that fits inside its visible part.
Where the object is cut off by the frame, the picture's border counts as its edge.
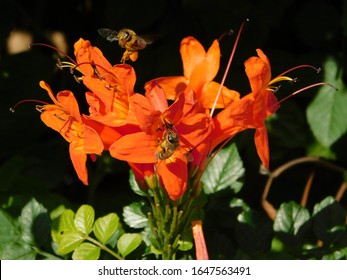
(128, 40)
(170, 143)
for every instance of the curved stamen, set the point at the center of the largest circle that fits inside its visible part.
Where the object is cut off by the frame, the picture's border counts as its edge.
(54, 48)
(305, 88)
(226, 33)
(298, 67)
(13, 109)
(227, 68)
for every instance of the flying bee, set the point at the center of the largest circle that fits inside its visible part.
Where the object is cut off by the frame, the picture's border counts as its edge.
(128, 40)
(170, 143)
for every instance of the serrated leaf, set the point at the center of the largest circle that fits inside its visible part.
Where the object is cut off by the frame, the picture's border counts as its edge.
(128, 242)
(84, 219)
(291, 218)
(35, 223)
(224, 171)
(105, 227)
(86, 251)
(69, 242)
(134, 216)
(326, 114)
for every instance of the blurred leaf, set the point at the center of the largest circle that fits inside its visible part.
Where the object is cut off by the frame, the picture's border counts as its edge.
(329, 220)
(69, 242)
(326, 114)
(134, 216)
(105, 227)
(35, 223)
(86, 251)
(318, 150)
(337, 255)
(292, 223)
(128, 242)
(84, 219)
(223, 171)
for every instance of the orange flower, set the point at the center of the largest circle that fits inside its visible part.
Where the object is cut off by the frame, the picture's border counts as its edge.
(199, 70)
(252, 110)
(111, 86)
(158, 122)
(64, 117)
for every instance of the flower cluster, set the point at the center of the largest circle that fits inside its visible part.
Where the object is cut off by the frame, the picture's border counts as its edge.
(166, 134)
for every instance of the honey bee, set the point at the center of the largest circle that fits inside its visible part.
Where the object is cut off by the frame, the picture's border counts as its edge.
(128, 40)
(170, 143)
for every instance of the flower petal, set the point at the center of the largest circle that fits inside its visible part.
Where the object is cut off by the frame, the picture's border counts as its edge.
(136, 147)
(174, 175)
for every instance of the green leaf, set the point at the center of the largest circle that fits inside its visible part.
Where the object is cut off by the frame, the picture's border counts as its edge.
(105, 227)
(86, 251)
(128, 242)
(9, 231)
(327, 113)
(224, 171)
(35, 223)
(290, 218)
(134, 216)
(329, 220)
(12, 247)
(69, 242)
(84, 219)
(318, 150)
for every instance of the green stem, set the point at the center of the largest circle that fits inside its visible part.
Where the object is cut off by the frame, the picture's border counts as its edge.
(102, 246)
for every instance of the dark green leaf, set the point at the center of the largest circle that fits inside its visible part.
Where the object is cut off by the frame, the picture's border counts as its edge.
(253, 232)
(290, 218)
(224, 171)
(128, 242)
(35, 223)
(86, 251)
(105, 227)
(134, 216)
(327, 112)
(329, 220)
(84, 219)
(12, 247)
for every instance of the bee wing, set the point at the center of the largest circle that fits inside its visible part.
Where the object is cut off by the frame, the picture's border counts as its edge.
(149, 38)
(108, 34)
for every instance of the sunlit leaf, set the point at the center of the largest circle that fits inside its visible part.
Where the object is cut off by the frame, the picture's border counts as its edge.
(224, 171)
(86, 251)
(291, 218)
(69, 242)
(134, 216)
(128, 242)
(84, 219)
(105, 227)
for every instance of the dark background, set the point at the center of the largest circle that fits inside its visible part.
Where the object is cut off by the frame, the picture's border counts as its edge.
(35, 159)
